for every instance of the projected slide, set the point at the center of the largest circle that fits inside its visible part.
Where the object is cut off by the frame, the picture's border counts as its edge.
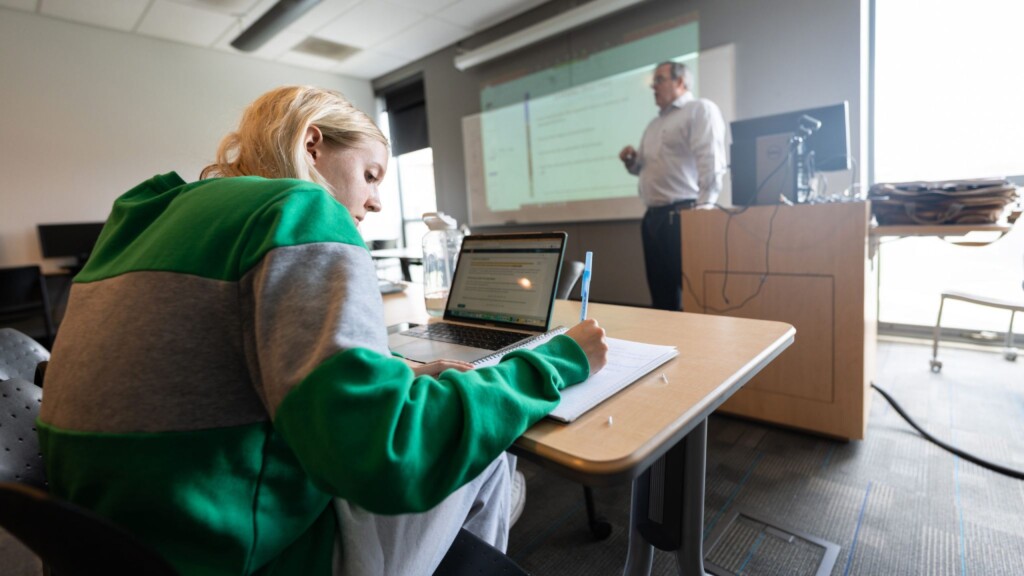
(564, 147)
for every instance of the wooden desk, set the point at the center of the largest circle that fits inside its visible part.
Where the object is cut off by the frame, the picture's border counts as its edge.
(658, 432)
(405, 256)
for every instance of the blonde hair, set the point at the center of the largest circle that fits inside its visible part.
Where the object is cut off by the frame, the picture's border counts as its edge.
(270, 140)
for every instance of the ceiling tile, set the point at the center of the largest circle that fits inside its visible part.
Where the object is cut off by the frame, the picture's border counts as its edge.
(307, 61)
(182, 23)
(369, 23)
(425, 37)
(368, 65)
(27, 5)
(391, 33)
(321, 14)
(230, 7)
(477, 15)
(425, 6)
(116, 14)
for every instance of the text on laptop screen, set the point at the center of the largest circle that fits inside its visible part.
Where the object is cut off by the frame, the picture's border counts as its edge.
(506, 280)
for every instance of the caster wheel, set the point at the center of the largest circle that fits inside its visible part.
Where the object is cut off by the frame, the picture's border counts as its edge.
(1011, 356)
(936, 366)
(601, 529)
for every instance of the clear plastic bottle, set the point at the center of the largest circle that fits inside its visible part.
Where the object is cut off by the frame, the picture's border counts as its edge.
(440, 252)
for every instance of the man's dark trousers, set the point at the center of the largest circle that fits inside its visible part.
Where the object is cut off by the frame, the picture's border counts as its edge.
(663, 254)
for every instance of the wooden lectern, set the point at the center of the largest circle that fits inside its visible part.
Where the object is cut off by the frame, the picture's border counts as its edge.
(820, 278)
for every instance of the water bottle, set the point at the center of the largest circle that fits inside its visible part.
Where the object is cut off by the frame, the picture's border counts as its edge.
(440, 251)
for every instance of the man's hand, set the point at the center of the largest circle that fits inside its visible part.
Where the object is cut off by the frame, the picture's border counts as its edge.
(705, 206)
(628, 155)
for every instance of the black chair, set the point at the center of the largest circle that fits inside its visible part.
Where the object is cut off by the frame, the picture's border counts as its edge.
(471, 556)
(567, 278)
(24, 301)
(72, 541)
(20, 458)
(19, 355)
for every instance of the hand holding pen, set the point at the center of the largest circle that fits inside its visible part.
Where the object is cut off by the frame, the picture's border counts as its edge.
(587, 333)
(585, 289)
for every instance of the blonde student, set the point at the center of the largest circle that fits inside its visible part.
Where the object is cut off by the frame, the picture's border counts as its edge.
(221, 385)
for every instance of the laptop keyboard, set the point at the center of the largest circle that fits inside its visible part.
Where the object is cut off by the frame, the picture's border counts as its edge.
(486, 338)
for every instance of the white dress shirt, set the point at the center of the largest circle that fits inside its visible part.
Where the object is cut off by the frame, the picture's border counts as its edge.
(682, 154)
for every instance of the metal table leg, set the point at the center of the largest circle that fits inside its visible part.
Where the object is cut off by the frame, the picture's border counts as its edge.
(668, 508)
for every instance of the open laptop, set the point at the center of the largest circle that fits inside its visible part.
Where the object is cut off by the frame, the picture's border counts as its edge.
(503, 293)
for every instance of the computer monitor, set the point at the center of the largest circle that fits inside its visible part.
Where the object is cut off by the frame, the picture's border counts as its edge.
(760, 160)
(75, 240)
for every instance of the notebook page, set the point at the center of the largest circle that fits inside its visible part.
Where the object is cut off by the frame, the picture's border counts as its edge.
(627, 362)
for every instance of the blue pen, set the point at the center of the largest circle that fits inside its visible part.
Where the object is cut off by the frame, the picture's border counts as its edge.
(585, 290)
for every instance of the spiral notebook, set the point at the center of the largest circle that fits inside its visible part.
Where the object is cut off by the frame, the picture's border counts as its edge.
(530, 343)
(628, 362)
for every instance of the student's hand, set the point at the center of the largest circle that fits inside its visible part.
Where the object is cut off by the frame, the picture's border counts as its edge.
(590, 337)
(436, 367)
(628, 155)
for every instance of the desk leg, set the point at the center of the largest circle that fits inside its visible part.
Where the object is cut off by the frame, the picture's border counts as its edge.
(668, 508)
(640, 556)
(690, 556)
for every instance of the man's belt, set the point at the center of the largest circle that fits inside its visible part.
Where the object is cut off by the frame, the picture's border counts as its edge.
(675, 206)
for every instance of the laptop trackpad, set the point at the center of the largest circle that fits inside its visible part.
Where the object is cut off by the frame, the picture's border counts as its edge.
(423, 350)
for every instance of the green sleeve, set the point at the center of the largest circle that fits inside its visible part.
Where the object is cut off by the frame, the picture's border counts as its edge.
(365, 429)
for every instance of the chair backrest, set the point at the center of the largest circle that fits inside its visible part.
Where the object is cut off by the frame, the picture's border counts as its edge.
(383, 244)
(471, 556)
(19, 355)
(20, 458)
(72, 541)
(23, 295)
(570, 274)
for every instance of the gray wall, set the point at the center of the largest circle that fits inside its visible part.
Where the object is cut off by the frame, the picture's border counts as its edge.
(790, 54)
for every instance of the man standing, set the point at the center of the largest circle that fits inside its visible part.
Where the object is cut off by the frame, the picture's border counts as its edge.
(680, 162)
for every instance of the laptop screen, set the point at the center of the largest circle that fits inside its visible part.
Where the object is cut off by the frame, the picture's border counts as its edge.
(507, 279)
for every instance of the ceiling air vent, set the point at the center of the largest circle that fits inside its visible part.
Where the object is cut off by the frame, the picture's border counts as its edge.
(325, 49)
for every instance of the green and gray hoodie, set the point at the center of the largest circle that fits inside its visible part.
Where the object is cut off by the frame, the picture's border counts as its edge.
(222, 371)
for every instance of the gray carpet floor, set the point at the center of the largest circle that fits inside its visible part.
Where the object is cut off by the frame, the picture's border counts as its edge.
(894, 503)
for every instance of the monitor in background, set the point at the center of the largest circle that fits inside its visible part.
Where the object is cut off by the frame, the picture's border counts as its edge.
(760, 162)
(69, 240)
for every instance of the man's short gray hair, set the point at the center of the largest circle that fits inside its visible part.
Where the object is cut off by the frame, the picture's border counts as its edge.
(679, 70)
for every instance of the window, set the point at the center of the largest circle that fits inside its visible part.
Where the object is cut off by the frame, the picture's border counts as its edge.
(416, 185)
(947, 90)
(946, 106)
(406, 193)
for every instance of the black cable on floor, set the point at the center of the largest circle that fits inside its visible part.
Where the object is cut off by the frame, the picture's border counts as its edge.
(948, 448)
